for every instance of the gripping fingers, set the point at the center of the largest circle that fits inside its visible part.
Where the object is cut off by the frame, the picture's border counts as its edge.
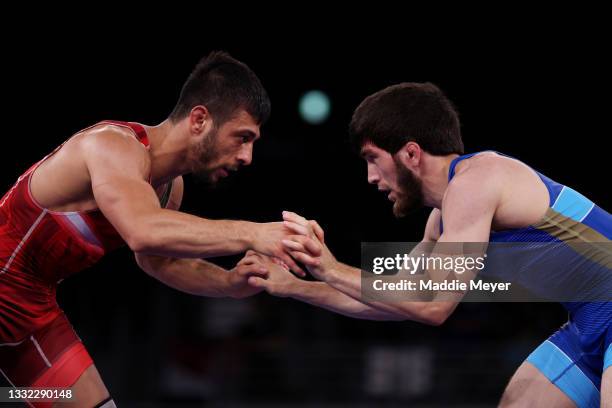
(303, 244)
(249, 260)
(256, 282)
(280, 263)
(293, 245)
(297, 228)
(293, 217)
(309, 225)
(317, 230)
(253, 269)
(292, 265)
(305, 259)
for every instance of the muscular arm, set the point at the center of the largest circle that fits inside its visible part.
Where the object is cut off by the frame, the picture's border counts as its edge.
(196, 276)
(323, 295)
(347, 280)
(193, 276)
(340, 292)
(281, 282)
(468, 208)
(119, 166)
(202, 278)
(328, 297)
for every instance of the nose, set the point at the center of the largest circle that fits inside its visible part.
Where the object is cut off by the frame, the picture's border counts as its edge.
(373, 176)
(245, 157)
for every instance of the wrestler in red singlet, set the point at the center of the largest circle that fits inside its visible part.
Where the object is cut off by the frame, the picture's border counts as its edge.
(39, 248)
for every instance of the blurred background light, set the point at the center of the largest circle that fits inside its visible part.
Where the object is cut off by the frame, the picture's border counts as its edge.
(314, 107)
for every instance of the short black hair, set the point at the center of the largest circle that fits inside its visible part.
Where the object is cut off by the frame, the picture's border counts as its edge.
(418, 112)
(224, 85)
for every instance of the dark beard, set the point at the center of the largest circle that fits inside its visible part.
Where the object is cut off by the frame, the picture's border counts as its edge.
(410, 194)
(206, 153)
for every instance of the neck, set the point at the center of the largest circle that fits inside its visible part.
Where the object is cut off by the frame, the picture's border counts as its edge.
(435, 179)
(169, 143)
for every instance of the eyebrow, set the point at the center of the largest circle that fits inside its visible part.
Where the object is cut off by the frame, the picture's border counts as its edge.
(249, 133)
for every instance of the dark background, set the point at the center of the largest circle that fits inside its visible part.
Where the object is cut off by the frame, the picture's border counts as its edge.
(539, 100)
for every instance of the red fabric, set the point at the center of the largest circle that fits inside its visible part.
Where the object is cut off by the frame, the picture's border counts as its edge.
(48, 246)
(67, 369)
(38, 248)
(51, 356)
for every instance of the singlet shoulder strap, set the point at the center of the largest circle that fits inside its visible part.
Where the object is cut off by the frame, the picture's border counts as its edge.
(456, 160)
(137, 128)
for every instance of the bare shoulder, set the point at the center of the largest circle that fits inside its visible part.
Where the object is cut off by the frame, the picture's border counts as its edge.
(108, 148)
(472, 199)
(488, 173)
(486, 166)
(490, 180)
(481, 175)
(109, 138)
(63, 182)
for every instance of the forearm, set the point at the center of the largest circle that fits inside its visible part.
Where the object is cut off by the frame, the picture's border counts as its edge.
(322, 295)
(193, 276)
(347, 280)
(176, 234)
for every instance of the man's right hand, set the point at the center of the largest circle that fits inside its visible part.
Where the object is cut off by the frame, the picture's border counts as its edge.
(279, 280)
(238, 277)
(306, 244)
(268, 239)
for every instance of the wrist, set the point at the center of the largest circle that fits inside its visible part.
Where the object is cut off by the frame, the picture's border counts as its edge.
(300, 290)
(296, 289)
(227, 285)
(249, 235)
(331, 275)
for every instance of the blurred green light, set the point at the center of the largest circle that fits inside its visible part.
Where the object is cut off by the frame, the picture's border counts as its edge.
(314, 107)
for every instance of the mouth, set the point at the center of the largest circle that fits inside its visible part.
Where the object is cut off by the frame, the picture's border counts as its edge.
(389, 192)
(225, 171)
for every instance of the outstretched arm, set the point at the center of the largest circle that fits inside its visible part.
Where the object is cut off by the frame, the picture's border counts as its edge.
(196, 276)
(203, 278)
(340, 286)
(119, 166)
(468, 208)
(281, 282)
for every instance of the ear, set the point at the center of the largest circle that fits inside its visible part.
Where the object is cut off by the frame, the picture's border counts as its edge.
(199, 119)
(410, 155)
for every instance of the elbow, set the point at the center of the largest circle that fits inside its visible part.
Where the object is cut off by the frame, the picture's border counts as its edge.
(142, 243)
(436, 320)
(139, 245)
(435, 316)
(144, 263)
(142, 235)
(431, 314)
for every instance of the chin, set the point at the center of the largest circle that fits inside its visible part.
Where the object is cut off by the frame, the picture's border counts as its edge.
(397, 211)
(206, 178)
(213, 181)
(403, 208)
